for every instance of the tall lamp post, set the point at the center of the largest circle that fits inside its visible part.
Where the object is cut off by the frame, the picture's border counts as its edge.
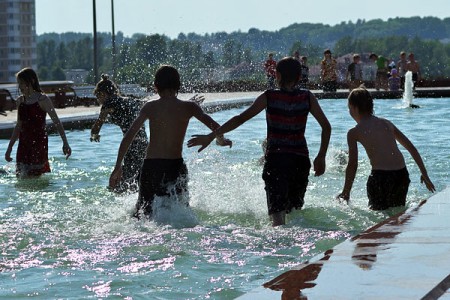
(95, 43)
(113, 41)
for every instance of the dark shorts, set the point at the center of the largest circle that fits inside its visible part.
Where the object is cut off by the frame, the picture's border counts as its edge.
(387, 188)
(161, 177)
(330, 86)
(286, 179)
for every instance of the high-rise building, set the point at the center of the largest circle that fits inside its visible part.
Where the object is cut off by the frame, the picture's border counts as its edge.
(17, 37)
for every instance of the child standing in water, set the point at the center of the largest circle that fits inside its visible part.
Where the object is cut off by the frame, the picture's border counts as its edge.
(388, 182)
(121, 111)
(163, 172)
(32, 107)
(287, 164)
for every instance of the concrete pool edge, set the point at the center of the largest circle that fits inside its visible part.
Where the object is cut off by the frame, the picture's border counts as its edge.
(407, 256)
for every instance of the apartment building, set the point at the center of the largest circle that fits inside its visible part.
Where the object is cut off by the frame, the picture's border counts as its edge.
(17, 37)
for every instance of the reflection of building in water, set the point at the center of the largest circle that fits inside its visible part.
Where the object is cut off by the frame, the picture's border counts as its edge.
(17, 37)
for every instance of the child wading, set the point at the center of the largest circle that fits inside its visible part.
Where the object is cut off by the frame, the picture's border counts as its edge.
(388, 182)
(163, 172)
(287, 164)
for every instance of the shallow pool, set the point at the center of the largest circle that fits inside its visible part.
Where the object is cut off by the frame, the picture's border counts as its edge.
(66, 236)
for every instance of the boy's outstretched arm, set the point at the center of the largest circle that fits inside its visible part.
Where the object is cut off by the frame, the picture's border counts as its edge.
(317, 112)
(204, 140)
(352, 166)
(405, 142)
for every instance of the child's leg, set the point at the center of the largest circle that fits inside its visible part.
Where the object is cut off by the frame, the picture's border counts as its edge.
(278, 218)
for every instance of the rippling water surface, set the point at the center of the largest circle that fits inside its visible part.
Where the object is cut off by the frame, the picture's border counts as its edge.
(66, 236)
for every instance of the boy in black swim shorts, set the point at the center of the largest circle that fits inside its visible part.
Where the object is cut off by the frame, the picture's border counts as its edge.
(163, 167)
(388, 183)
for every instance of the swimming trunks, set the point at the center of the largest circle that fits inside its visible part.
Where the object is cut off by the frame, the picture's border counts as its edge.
(387, 188)
(161, 177)
(286, 178)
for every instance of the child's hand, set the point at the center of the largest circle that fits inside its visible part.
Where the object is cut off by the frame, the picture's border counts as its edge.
(197, 99)
(115, 177)
(95, 138)
(319, 165)
(67, 151)
(222, 141)
(8, 155)
(430, 186)
(343, 196)
(200, 140)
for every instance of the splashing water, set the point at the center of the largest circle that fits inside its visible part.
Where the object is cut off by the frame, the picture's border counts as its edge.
(408, 91)
(64, 235)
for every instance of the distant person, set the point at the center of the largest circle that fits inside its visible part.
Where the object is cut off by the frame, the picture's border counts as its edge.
(394, 81)
(304, 78)
(269, 67)
(388, 182)
(354, 73)
(121, 111)
(163, 172)
(381, 78)
(401, 67)
(287, 164)
(296, 56)
(414, 67)
(328, 73)
(32, 107)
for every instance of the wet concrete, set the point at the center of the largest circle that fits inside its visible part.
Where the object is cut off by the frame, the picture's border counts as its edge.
(405, 257)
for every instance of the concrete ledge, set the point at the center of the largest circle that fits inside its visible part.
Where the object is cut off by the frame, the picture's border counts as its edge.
(405, 257)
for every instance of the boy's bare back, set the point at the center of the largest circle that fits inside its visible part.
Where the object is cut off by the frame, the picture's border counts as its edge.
(378, 136)
(169, 118)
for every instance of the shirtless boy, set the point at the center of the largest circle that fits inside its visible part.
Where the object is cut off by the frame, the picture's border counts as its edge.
(388, 182)
(163, 172)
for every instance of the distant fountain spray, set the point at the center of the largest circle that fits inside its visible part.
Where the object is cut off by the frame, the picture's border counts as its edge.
(408, 91)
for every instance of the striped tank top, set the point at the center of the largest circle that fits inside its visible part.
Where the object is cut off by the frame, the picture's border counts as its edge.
(286, 116)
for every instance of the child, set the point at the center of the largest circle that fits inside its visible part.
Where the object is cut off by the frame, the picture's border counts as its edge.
(163, 166)
(394, 81)
(304, 78)
(354, 73)
(121, 111)
(287, 164)
(328, 74)
(32, 107)
(269, 67)
(388, 182)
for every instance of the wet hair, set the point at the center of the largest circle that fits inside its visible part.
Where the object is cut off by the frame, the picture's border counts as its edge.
(361, 99)
(327, 51)
(373, 55)
(289, 69)
(167, 78)
(28, 75)
(107, 86)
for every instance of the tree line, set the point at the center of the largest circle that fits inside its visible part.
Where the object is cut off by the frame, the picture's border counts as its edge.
(240, 55)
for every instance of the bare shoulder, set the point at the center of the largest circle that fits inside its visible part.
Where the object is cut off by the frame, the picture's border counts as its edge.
(386, 122)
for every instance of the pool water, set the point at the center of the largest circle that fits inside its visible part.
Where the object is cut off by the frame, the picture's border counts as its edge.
(65, 236)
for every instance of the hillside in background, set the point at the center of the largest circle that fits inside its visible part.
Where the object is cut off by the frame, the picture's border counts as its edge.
(241, 53)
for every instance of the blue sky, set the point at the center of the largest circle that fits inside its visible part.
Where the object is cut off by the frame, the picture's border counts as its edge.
(170, 17)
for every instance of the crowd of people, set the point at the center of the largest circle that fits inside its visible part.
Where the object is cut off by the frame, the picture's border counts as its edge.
(389, 74)
(154, 166)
